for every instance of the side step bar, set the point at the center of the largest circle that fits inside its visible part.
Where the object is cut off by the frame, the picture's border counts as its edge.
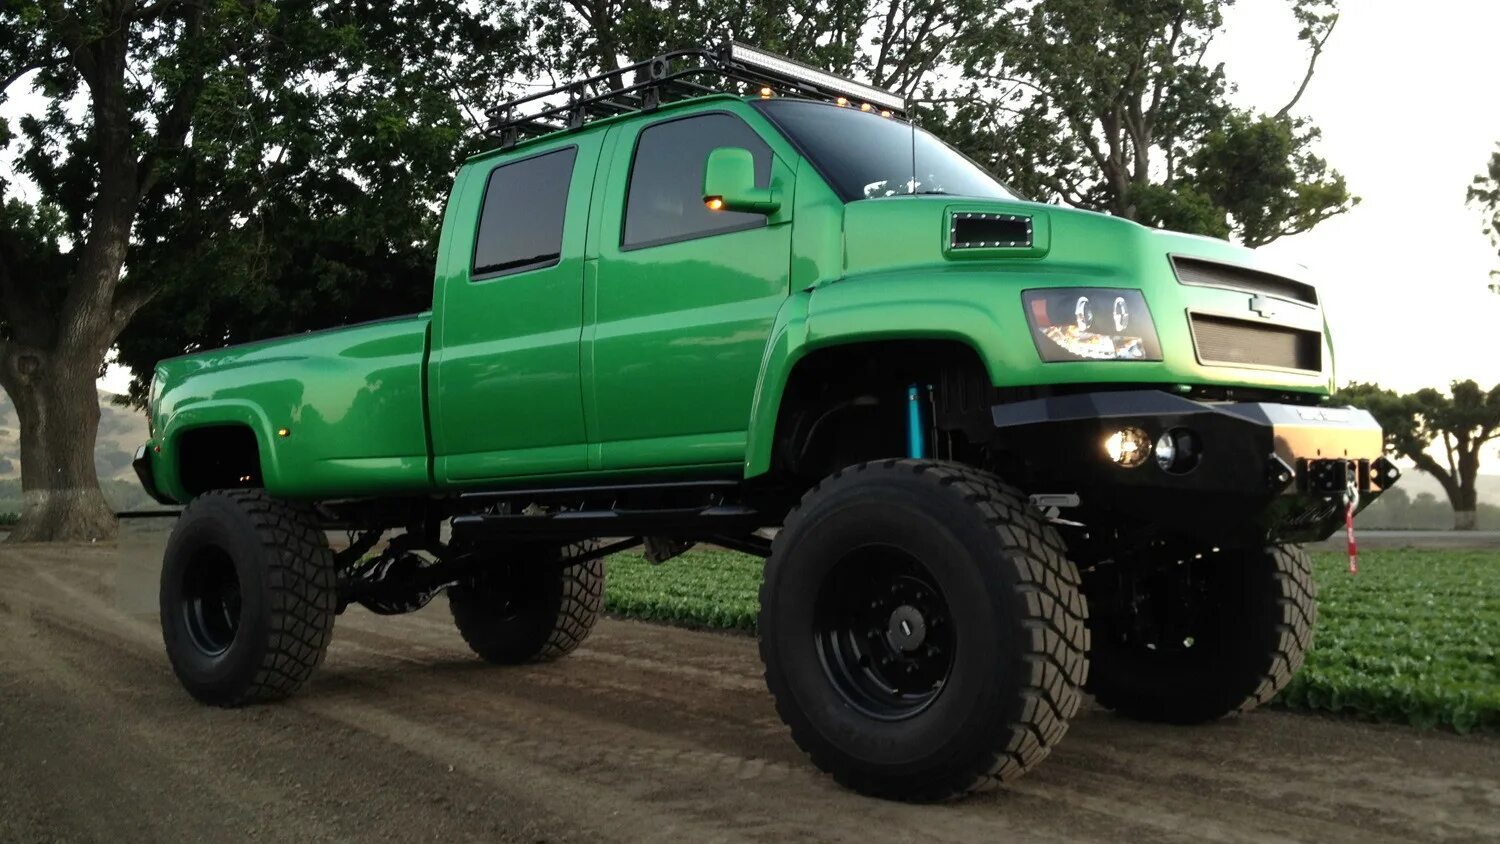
(690, 522)
(608, 490)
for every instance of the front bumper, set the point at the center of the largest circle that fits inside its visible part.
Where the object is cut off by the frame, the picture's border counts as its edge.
(143, 471)
(1266, 472)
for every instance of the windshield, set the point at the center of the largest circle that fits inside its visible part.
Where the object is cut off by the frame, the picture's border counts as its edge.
(866, 156)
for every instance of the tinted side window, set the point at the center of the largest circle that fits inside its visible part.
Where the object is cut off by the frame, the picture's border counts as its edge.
(521, 223)
(665, 201)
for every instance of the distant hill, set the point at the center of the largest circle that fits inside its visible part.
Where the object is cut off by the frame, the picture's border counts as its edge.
(121, 431)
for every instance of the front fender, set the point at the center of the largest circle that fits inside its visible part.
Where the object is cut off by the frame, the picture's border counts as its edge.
(976, 309)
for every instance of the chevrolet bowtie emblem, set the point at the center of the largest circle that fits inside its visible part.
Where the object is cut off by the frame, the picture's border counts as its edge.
(1263, 306)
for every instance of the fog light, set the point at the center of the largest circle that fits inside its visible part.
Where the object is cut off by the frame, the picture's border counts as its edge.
(1178, 450)
(1128, 447)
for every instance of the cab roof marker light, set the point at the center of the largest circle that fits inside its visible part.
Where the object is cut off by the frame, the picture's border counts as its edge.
(751, 57)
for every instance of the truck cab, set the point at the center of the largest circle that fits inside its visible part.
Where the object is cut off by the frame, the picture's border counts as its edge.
(783, 305)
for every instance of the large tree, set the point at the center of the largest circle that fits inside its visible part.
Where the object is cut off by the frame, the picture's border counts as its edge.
(201, 173)
(1112, 105)
(1457, 426)
(212, 155)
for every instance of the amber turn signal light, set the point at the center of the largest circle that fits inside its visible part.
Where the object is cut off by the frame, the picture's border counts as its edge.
(714, 203)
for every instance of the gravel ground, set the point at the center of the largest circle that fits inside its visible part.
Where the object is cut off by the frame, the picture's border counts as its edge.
(646, 733)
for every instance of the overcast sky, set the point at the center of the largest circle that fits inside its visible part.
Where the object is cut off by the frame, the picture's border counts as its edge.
(1400, 95)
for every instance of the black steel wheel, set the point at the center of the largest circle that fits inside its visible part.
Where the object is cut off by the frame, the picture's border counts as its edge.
(922, 632)
(248, 597)
(532, 606)
(884, 633)
(211, 600)
(1183, 642)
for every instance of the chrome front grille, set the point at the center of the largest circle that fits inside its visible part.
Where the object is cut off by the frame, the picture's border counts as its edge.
(1233, 342)
(1213, 274)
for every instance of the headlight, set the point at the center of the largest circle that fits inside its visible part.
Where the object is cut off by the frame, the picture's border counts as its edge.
(1090, 323)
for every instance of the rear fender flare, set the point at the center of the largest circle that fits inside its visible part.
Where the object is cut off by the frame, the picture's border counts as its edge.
(217, 413)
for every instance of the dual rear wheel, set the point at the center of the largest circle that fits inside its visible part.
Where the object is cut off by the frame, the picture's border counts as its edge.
(249, 593)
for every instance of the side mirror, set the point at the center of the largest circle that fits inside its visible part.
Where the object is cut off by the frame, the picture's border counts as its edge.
(729, 183)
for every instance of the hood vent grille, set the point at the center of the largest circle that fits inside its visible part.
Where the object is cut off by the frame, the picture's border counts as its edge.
(972, 230)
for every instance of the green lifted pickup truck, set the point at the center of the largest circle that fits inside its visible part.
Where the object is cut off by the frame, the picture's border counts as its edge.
(1014, 451)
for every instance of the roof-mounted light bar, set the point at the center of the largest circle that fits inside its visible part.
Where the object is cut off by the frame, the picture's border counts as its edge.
(753, 58)
(727, 67)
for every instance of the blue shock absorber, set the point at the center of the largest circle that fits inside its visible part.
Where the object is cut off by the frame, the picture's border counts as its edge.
(916, 431)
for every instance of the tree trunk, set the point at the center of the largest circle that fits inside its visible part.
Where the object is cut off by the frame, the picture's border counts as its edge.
(1466, 501)
(58, 408)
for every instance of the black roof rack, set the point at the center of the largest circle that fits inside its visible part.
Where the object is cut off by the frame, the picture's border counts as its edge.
(679, 74)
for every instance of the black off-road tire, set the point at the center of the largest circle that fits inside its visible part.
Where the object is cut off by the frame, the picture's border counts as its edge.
(967, 555)
(1250, 639)
(532, 607)
(248, 597)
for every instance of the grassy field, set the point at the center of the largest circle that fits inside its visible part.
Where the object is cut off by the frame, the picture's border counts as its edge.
(1413, 637)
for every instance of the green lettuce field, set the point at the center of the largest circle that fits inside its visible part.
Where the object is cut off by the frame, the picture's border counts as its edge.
(1411, 638)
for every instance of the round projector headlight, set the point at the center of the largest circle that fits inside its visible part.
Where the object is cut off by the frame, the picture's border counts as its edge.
(1128, 447)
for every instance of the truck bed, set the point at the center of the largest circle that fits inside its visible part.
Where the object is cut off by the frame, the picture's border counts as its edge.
(333, 411)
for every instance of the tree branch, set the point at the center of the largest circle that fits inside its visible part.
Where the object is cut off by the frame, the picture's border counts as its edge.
(878, 71)
(172, 128)
(1159, 89)
(1312, 64)
(128, 302)
(16, 75)
(1445, 479)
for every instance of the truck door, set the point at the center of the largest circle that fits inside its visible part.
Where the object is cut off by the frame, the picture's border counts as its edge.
(505, 390)
(684, 297)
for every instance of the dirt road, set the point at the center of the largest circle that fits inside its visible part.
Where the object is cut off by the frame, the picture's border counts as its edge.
(646, 733)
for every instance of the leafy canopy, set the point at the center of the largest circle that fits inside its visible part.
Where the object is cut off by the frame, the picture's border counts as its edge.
(1111, 105)
(289, 159)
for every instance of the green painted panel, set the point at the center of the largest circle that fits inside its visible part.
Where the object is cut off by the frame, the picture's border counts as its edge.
(351, 400)
(679, 329)
(507, 385)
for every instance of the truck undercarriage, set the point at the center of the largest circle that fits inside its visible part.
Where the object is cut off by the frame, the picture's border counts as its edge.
(1212, 476)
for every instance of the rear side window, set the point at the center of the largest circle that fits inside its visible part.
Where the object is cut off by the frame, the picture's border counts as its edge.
(665, 201)
(521, 223)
